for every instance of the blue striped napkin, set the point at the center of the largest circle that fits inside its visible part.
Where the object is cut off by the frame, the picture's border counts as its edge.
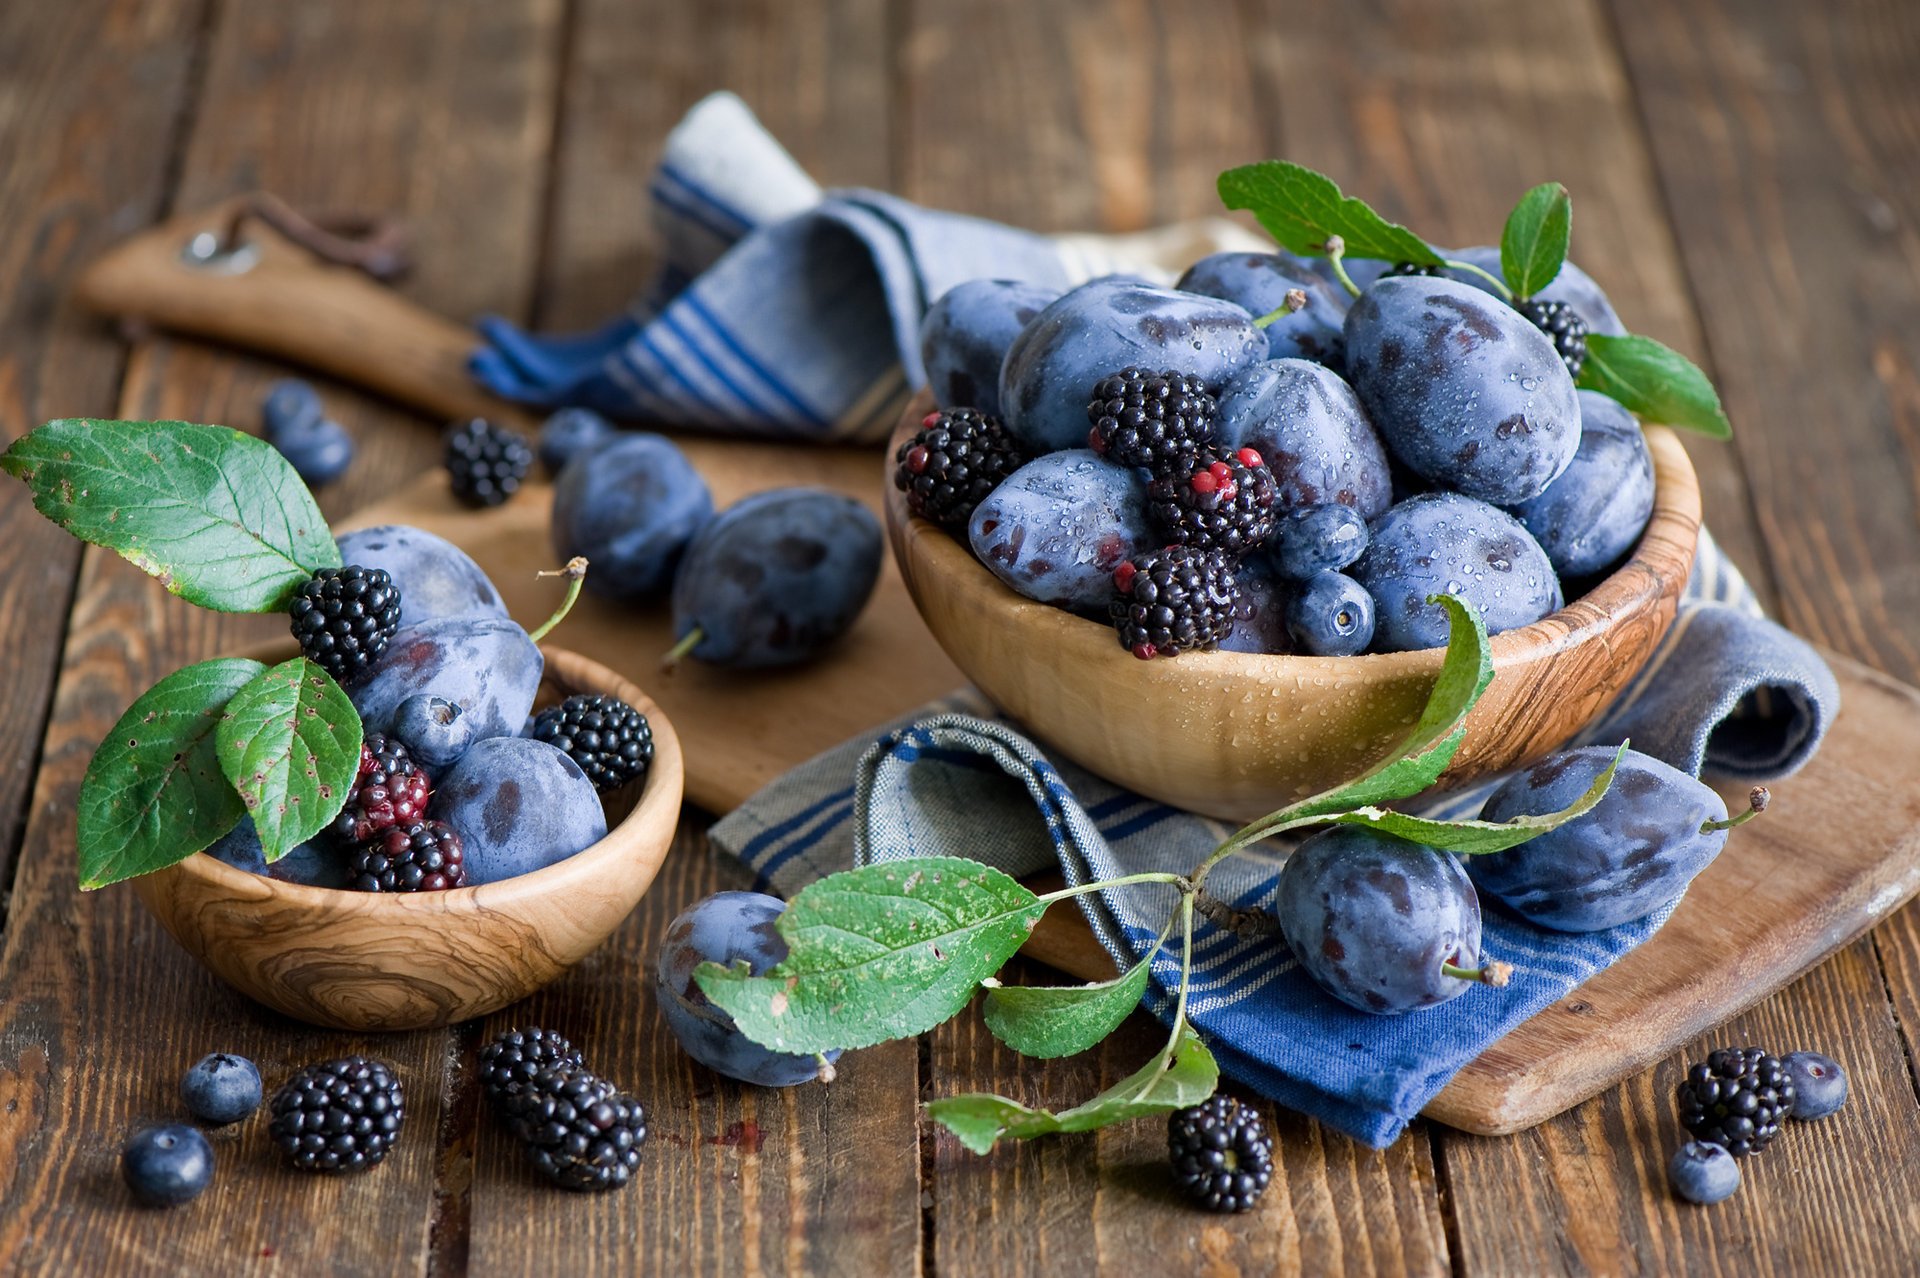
(785, 312)
(1727, 694)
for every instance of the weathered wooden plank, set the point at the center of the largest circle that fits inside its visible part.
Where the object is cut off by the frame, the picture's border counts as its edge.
(88, 114)
(331, 105)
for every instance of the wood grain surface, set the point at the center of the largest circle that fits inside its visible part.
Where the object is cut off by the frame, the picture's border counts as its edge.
(1747, 180)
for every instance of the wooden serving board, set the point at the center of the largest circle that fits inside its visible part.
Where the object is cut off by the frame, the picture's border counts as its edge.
(1838, 851)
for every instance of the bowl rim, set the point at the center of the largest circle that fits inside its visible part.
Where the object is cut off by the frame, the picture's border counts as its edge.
(657, 805)
(1638, 581)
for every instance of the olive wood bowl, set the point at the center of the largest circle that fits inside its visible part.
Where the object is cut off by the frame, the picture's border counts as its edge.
(387, 961)
(1237, 735)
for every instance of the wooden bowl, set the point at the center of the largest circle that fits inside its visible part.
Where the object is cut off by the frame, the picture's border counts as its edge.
(383, 961)
(1237, 735)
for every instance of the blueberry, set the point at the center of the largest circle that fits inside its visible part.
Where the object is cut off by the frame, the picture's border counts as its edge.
(1819, 1084)
(1372, 918)
(1260, 282)
(570, 432)
(1462, 387)
(433, 730)
(1055, 529)
(1442, 543)
(777, 578)
(1591, 516)
(1316, 539)
(725, 928)
(1308, 426)
(1105, 326)
(518, 806)
(965, 336)
(1703, 1173)
(1572, 286)
(167, 1166)
(319, 450)
(630, 507)
(221, 1089)
(486, 666)
(312, 864)
(1260, 624)
(1636, 850)
(1330, 615)
(436, 579)
(289, 404)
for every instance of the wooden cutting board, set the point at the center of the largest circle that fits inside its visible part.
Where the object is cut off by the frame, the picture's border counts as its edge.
(1839, 850)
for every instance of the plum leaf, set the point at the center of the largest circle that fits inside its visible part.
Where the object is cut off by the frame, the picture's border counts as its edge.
(1060, 1020)
(1533, 247)
(1474, 837)
(1654, 382)
(1301, 209)
(290, 744)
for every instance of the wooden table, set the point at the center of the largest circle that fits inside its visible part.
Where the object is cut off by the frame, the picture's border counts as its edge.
(1748, 183)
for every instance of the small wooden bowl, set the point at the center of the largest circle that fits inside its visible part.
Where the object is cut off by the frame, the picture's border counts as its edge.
(1237, 735)
(380, 961)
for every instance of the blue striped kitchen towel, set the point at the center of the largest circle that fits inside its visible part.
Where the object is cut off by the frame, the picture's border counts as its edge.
(1728, 694)
(782, 311)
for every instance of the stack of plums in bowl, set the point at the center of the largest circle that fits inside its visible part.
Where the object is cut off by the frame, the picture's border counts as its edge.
(1257, 481)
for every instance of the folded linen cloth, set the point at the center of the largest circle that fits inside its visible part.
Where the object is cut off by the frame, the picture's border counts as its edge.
(1728, 693)
(784, 312)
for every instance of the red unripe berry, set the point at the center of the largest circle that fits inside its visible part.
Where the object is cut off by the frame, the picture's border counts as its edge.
(1123, 576)
(1247, 457)
(926, 423)
(1145, 651)
(917, 458)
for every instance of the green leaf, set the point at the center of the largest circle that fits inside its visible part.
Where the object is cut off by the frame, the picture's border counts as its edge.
(1301, 208)
(1655, 382)
(290, 743)
(1534, 245)
(884, 951)
(154, 793)
(1183, 1073)
(1476, 838)
(1060, 1020)
(219, 517)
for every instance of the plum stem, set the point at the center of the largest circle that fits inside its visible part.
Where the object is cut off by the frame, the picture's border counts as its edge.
(1494, 973)
(575, 572)
(1294, 302)
(688, 642)
(1337, 249)
(1757, 800)
(1500, 285)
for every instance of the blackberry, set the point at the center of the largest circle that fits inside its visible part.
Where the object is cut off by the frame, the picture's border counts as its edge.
(338, 1116)
(389, 790)
(1737, 1100)
(1413, 268)
(1174, 600)
(344, 618)
(953, 462)
(424, 857)
(1563, 325)
(1222, 1155)
(511, 1060)
(1158, 421)
(580, 1131)
(610, 740)
(1220, 503)
(486, 462)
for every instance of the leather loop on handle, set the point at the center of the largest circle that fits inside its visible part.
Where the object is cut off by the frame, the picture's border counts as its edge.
(375, 243)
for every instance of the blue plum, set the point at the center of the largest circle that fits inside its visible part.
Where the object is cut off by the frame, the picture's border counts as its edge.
(1055, 529)
(1702, 1172)
(486, 666)
(313, 864)
(570, 432)
(1636, 850)
(1260, 282)
(1308, 426)
(1330, 615)
(630, 506)
(725, 928)
(1443, 543)
(1105, 326)
(965, 336)
(221, 1089)
(1372, 918)
(777, 578)
(1260, 622)
(436, 579)
(1314, 539)
(1594, 513)
(1573, 286)
(167, 1166)
(518, 806)
(1462, 387)
(434, 730)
